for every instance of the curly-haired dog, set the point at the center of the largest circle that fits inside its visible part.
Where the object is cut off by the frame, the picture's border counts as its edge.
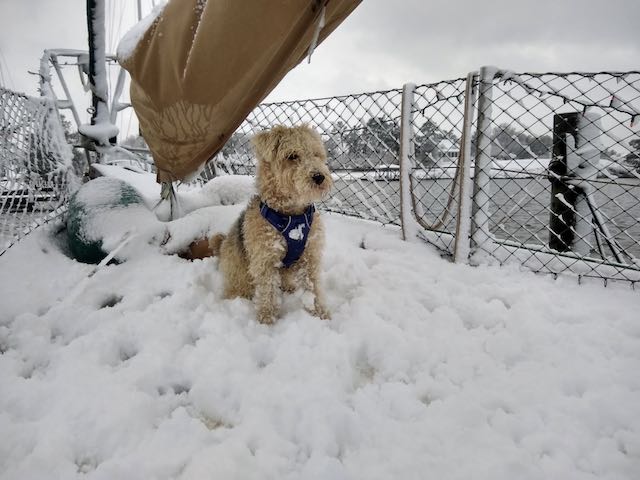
(277, 241)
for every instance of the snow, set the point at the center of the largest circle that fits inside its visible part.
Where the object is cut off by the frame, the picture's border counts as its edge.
(409, 223)
(224, 190)
(427, 369)
(101, 128)
(129, 41)
(583, 159)
(102, 131)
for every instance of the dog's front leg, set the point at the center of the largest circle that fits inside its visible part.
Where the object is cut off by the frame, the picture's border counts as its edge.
(319, 307)
(267, 294)
(308, 278)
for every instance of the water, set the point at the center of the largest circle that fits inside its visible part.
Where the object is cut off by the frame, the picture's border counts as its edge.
(519, 207)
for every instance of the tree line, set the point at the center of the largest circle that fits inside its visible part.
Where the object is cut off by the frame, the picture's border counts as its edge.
(376, 142)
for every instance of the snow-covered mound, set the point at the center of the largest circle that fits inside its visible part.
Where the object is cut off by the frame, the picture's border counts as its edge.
(224, 190)
(426, 370)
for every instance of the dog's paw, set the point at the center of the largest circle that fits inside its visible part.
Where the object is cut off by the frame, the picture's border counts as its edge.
(321, 312)
(266, 319)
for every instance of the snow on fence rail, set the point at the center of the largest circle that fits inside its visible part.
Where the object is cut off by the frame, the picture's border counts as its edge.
(489, 178)
(35, 162)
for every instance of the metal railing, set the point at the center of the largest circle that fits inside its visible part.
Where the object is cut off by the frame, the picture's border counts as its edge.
(35, 165)
(538, 169)
(557, 172)
(496, 204)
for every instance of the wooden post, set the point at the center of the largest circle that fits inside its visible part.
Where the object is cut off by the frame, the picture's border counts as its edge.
(562, 218)
(574, 162)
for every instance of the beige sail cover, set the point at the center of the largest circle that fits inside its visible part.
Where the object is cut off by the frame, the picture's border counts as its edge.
(202, 66)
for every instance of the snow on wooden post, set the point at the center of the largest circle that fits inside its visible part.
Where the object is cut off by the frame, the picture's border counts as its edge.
(481, 236)
(463, 224)
(575, 159)
(409, 224)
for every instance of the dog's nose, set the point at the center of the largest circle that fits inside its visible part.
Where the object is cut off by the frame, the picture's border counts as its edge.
(318, 178)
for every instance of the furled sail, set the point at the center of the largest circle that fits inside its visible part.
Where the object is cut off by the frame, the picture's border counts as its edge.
(201, 66)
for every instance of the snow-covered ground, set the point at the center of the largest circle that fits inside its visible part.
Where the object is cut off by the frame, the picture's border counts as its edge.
(427, 369)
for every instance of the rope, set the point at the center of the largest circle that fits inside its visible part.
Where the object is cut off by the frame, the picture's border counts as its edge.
(447, 211)
(126, 238)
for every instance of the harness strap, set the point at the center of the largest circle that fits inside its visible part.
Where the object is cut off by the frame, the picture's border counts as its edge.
(294, 228)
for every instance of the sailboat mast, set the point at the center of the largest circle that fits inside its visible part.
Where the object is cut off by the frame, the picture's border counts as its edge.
(97, 64)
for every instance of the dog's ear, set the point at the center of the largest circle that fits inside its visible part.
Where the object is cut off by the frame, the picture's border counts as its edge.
(266, 143)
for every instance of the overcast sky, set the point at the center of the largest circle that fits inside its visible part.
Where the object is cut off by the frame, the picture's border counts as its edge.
(383, 44)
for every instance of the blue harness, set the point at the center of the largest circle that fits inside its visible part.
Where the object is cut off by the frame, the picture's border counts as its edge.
(294, 228)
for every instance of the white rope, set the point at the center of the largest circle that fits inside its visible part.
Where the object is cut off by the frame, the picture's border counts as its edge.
(126, 238)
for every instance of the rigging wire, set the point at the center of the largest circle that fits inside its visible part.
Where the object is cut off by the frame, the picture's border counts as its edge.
(7, 80)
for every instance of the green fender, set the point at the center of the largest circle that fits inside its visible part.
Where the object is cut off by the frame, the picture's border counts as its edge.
(86, 205)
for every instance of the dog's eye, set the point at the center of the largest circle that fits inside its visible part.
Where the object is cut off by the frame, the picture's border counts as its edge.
(293, 157)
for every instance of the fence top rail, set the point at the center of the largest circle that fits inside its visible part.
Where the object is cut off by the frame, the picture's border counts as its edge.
(501, 74)
(613, 73)
(39, 100)
(359, 94)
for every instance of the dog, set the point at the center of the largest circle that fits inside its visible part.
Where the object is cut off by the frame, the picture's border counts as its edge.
(276, 243)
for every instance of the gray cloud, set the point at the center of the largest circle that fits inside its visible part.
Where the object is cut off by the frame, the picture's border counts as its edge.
(386, 43)
(28, 27)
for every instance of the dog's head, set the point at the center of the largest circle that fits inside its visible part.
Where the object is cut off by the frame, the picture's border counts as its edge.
(292, 167)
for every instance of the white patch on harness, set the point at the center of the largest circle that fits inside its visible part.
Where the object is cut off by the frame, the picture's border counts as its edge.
(297, 233)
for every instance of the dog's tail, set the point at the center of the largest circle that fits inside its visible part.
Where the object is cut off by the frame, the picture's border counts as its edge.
(215, 242)
(203, 248)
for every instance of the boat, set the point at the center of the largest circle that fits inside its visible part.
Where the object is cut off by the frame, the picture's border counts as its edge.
(387, 173)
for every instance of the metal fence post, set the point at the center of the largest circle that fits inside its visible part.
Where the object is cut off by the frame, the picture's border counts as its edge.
(481, 235)
(409, 224)
(463, 224)
(97, 71)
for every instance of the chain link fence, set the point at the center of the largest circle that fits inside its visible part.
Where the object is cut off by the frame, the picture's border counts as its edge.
(436, 127)
(511, 141)
(550, 165)
(35, 162)
(362, 136)
(557, 157)
(361, 133)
